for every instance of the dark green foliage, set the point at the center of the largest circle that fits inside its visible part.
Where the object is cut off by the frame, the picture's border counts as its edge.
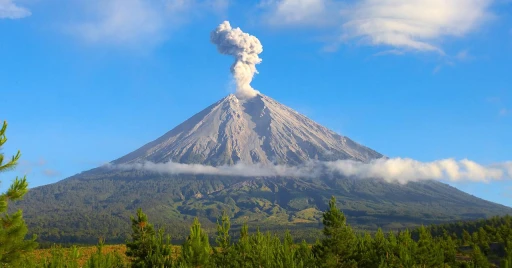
(507, 260)
(340, 246)
(223, 253)
(478, 258)
(160, 255)
(103, 200)
(12, 226)
(337, 247)
(147, 248)
(196, 251)
(140, 246)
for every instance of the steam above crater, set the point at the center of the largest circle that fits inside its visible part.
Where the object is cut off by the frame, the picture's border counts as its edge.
(245, 48)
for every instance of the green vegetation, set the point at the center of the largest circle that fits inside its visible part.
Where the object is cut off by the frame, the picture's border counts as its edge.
(485, 243)
(12, 226)
(98, 203)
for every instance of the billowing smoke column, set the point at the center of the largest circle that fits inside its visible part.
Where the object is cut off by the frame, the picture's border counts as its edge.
(245, 48)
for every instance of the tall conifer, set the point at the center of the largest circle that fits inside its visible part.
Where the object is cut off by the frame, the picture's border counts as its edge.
(12, 226)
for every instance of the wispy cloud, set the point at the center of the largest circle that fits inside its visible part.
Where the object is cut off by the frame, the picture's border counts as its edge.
(240, 169)
(500, 103)
(26, 166)
(51, 173)
(409, 25)
(464, 55)
(300, 12)
(9, 10)
(132, 22)
(401, 170)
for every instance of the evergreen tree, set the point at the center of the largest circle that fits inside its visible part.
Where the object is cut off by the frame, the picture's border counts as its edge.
(407, 248)
(429, 253)
(507, 260)
(466, 237)
(243, 247)
(160, 255)
(478, 258)
(142, 234)
(338, 245)
(366, 255)
(196, 250)
(147, 248)
(483, 241)
(304, 254)
(12, 226)
(449, 248)
(222, 254)
(381, 247)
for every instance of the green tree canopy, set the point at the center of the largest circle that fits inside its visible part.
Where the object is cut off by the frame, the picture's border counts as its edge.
(13, 229)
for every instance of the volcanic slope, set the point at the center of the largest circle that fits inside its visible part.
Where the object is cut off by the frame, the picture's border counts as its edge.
(259, 130)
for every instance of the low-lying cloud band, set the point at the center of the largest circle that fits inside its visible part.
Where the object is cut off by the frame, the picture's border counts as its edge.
(401, 170)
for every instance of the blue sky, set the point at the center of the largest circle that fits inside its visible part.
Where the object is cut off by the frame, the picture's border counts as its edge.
(85, 82)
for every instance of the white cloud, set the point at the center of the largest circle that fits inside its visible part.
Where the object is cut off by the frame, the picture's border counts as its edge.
(9, 10)
(51, 173)
(463, 55)
(401, 170)
(131, 22)
(417, 25)
(299, 12)
(404, 170)
(240, 169)
(121, 22)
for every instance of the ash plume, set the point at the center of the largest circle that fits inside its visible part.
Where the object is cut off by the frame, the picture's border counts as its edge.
(245, 48)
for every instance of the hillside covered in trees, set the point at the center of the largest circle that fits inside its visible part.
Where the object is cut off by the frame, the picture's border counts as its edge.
(484, 243)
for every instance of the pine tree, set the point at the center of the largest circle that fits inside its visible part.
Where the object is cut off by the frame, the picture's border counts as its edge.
(142, 237)
(12, 226)
(483, 241)
(147, 247)
(478, 258)
(429, 253)
(449, 249)
(507, 260)
(305, 255)
(196, 250)
(338, 245)
(243, 247)
(381, 246)
(160, 255)
(466, 237)
(407, 249)
(222, 253)
(366, 255)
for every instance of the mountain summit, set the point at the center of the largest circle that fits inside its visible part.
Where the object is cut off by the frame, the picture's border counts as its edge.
(99, 202)
(255, 130)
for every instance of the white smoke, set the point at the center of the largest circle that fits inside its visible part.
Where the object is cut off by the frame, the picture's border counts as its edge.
(400, 170)
(245, 48)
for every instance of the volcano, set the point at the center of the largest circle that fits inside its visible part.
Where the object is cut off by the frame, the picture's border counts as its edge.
(258, 130)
